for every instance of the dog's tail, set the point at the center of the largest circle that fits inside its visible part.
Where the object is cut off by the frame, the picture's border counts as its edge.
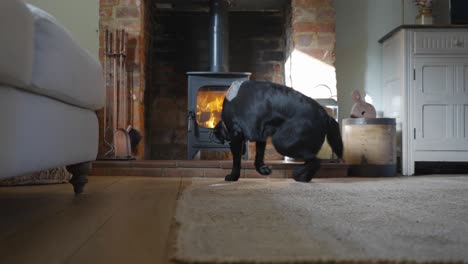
(334, 137)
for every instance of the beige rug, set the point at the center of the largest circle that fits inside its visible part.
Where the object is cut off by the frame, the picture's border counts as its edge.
(51, 176)
(410, 219)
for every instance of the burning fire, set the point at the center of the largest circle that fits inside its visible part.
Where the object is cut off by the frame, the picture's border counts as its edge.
(209, 106)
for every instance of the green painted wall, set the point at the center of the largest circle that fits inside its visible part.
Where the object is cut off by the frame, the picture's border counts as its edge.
(80, 17)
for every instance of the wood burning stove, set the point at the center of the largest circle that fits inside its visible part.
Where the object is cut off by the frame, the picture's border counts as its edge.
(206, 90)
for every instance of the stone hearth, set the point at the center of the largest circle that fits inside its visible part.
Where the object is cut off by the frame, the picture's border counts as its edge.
(206, 168)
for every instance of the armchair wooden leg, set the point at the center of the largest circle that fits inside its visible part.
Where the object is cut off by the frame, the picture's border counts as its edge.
(80, 173)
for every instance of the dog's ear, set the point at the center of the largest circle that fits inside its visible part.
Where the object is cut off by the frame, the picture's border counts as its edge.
(221, 133)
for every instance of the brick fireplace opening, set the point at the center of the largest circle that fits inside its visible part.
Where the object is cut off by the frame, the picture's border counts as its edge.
(180, 43)
(168, 38)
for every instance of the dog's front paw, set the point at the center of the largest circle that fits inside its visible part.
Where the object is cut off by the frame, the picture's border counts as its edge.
(263, 169)
(304, 173)
(302, 178)
(231, 177)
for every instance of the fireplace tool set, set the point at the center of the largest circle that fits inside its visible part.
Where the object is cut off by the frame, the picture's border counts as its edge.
(118, 132)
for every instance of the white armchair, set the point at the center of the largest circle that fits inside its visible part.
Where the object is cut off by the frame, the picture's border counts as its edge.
(50, 88)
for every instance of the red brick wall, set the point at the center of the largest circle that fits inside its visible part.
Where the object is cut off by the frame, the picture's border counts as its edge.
(313, 28)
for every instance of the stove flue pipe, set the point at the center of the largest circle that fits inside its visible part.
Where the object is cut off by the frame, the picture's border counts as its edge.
(219, 36)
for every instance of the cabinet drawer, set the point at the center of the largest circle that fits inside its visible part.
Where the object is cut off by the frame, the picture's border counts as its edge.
(427, 42)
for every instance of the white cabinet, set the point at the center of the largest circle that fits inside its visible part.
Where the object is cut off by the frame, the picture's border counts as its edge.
(425, 87)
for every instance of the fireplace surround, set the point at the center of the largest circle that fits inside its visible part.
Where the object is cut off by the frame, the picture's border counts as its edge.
(168, 38)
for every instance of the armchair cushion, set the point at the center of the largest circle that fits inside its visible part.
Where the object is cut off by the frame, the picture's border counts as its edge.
(62, 69)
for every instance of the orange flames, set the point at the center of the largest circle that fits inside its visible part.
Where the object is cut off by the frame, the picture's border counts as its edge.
(209, 106)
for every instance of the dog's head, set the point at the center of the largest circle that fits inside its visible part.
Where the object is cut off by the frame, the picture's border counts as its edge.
(221, 132)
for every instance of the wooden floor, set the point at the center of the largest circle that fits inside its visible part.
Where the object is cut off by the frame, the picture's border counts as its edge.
(116, 220)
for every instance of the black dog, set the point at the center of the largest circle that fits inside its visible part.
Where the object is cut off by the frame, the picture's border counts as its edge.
(255, 110)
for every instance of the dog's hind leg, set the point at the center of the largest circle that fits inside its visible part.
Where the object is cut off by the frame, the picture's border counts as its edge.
(301, 139)
(304, 173)
(259, 155)
(236, 144)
